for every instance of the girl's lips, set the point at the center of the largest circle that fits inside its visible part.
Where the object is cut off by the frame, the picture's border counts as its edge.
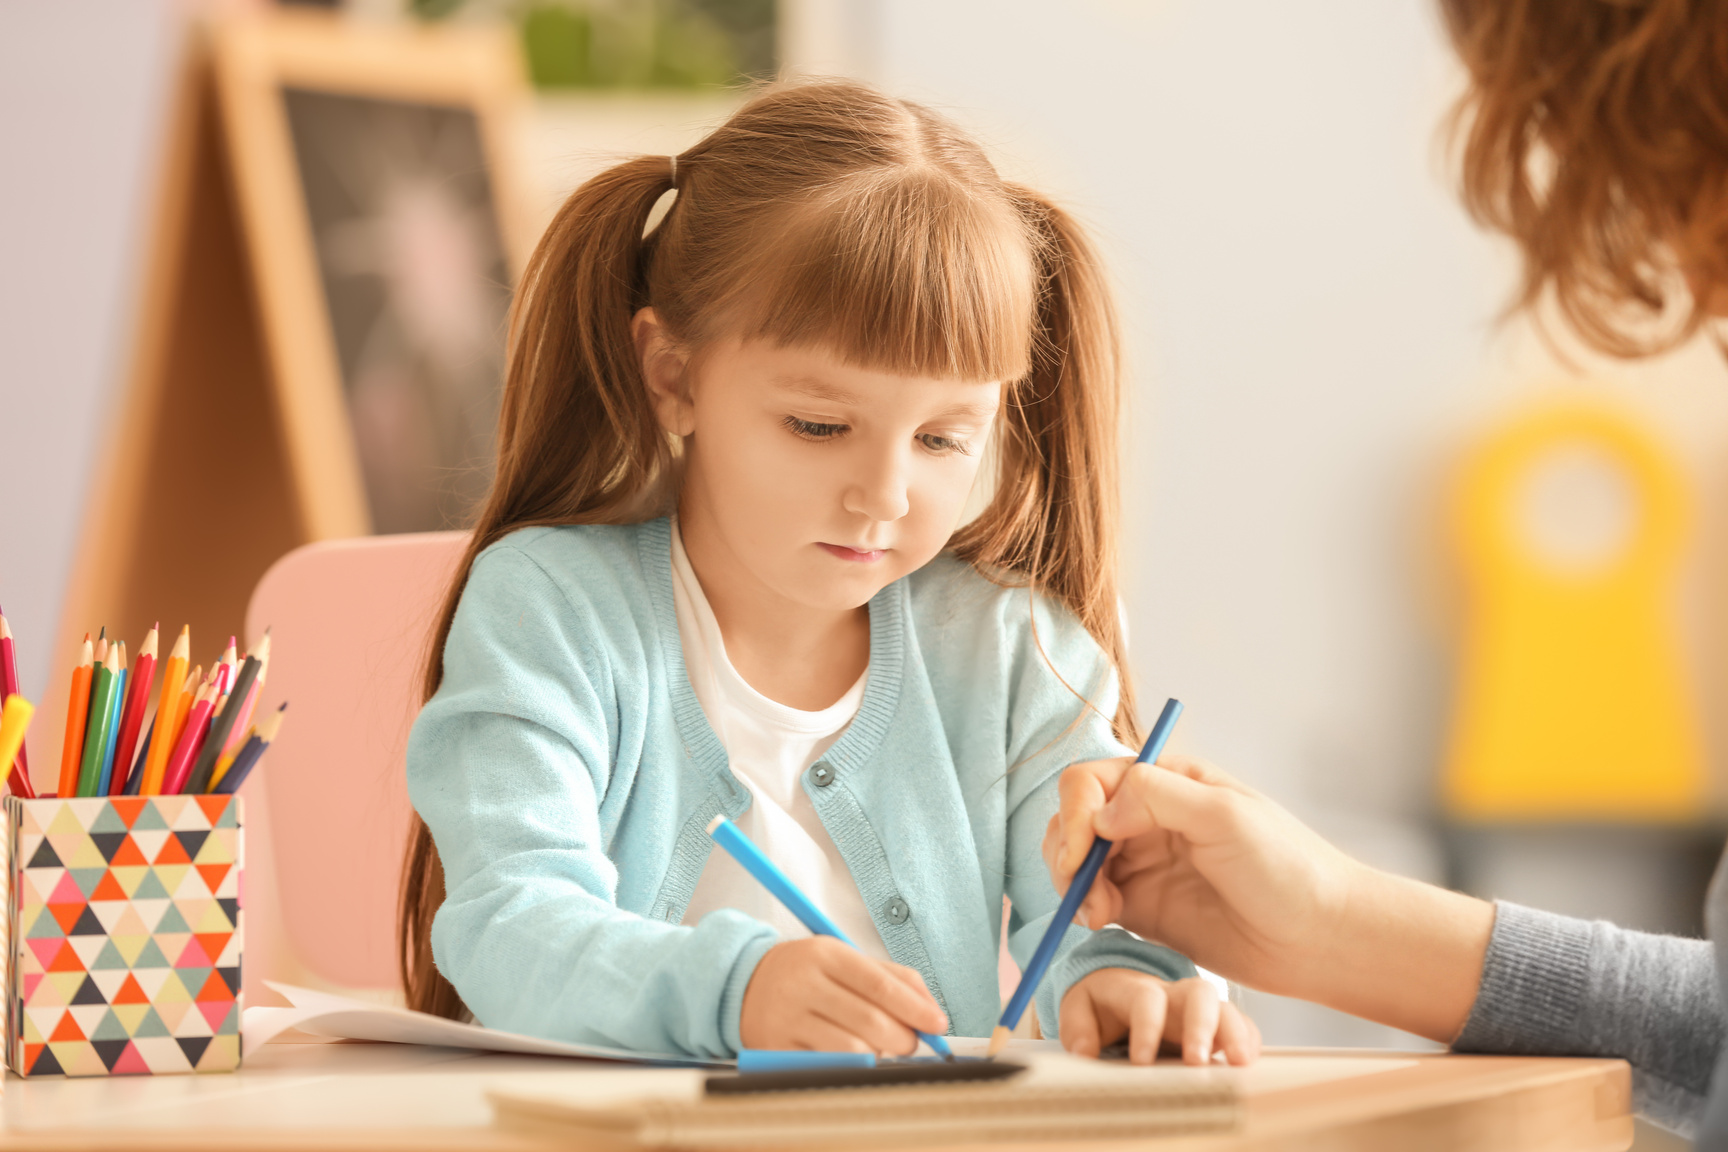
(855, 555)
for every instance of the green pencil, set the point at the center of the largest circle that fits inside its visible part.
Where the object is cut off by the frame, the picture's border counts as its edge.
(101, 720)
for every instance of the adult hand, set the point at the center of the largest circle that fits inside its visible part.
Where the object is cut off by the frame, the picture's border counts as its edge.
(1215, 870)
(820, 994)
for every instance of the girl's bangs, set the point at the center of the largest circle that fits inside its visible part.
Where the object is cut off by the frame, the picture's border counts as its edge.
(902, 272)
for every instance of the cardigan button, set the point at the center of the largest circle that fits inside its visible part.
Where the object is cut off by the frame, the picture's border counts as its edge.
(897, 910)
(822, 775)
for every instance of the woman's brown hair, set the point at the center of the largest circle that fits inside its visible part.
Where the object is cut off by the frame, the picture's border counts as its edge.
(1594, 133)
(821, 214)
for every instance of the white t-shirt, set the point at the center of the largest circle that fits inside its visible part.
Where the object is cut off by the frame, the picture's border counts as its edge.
(768, 746)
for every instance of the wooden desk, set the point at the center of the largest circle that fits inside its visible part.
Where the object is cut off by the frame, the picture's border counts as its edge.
(370, 1097)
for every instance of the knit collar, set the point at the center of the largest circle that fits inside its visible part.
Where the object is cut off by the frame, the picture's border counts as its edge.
(888, 612)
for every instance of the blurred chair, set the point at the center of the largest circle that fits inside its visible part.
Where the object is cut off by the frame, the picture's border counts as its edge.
(327, 813)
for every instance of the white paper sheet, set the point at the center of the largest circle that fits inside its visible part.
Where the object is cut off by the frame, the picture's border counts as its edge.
(323, 1014)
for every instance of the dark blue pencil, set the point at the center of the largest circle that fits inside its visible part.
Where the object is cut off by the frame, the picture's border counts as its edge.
(1088, 872)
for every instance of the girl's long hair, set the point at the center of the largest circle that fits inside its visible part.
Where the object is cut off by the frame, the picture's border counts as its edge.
(824, 214)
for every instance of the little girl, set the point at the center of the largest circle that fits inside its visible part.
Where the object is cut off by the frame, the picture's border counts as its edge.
(722, 570)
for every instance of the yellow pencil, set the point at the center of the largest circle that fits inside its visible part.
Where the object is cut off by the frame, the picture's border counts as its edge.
(14, 720)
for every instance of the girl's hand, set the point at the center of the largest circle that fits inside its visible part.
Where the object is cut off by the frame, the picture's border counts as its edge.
(1223, 875)
(826, 996)
(1102, 1008)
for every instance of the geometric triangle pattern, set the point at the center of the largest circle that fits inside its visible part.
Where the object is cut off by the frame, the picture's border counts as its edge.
(120, 942)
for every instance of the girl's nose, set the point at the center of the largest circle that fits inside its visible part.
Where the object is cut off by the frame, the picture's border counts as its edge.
(880, 491)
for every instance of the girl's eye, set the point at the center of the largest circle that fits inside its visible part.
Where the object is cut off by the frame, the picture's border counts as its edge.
(944, 445)
(810, 430)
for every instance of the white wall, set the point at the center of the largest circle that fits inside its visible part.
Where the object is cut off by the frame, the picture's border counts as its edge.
(82, 86)
(1311, 323)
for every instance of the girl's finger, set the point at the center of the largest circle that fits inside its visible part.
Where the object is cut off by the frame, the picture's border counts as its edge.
(872, 982)
(1237, 1036)
(878, 1031)
(1199, 1021)
(1146, 1023)
(820, 1034)
(1078, 1025)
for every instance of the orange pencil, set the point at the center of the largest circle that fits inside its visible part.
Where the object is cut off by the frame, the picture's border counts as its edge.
(77, 709)
(168, 714)
(182, 712)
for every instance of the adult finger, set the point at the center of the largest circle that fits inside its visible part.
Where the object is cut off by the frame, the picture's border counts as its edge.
(1146, 1022)
(1238, 1038)
(1152, 797)
(1084, 790)
(1199, 1021)
(912, 1005)
(1078, 1024)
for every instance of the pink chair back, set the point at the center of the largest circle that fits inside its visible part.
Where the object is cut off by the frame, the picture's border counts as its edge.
(327, 813)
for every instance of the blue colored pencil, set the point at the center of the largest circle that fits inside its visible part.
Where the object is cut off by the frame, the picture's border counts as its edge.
(744, 850)
(1088, 872)
(113, 742)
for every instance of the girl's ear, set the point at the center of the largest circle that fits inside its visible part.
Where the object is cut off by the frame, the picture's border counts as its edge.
(664, 373)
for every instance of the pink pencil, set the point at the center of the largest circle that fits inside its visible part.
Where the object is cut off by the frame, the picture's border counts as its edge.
(191, 738)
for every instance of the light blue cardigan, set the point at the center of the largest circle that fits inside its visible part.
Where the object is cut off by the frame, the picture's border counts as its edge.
(568, 775)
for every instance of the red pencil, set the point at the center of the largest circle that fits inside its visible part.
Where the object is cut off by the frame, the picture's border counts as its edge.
(132, 716)
(19, 779)
(186, 751)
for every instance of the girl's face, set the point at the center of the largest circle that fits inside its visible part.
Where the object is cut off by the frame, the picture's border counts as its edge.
(814, 480)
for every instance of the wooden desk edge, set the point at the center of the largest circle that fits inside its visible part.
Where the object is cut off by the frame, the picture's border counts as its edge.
(1440, 1102)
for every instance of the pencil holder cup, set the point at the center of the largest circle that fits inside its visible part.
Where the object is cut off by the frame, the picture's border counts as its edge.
(123, 935)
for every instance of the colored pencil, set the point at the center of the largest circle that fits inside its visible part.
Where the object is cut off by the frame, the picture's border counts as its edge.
(221, 725)
(14, 719)
(104, 779)
(1082, 884)
(167, 713)
(135, 778)
(742, 849)
(19, 778)
(253, 750)
(77, 709)
(238, 734)
(138, 684)
(225, 669)
(101, 718)
(191, 739)
(101, 658)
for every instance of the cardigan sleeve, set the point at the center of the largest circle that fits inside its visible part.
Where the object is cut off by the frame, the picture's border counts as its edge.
(1555, 986)
(509, 765)
(1063, 694)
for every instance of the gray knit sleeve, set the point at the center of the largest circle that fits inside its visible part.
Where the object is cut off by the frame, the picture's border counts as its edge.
(1555, 986)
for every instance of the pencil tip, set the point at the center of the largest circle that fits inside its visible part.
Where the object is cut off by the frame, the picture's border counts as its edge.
(998, 1041)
